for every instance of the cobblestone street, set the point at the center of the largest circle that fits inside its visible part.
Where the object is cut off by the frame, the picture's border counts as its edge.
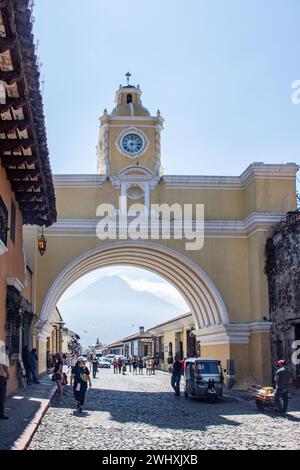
(141, 412)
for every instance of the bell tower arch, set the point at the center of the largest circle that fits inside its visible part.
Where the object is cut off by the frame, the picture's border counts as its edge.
(129, 135)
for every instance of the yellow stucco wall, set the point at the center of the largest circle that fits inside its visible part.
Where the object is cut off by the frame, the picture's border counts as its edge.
(42, 355)
(264, 195)
(224, 260)
(216, 351)
(252, 361)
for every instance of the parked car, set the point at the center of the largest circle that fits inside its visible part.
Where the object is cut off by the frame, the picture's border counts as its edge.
(111, 358)
(104, 363)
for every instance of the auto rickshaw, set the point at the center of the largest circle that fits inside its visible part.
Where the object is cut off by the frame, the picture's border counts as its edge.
(203, 378)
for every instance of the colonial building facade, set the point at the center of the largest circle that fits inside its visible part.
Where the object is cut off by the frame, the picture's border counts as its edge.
(174, 337)
(224, 283)
(26, 186)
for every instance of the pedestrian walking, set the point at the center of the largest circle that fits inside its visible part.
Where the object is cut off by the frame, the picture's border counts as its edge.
(283, 378)
(153, 364)
(116, 366)
(26, 363)
(80, 378)
(140, 366)
(73, 361)
(170, 361)
(124, 367)
(57, 360)
(58, 374)
(148, 366)
(176, 376)
(64, 359)
(4, 377)
(134, 366)
(33, 361)
(95, 365)
(120, 365)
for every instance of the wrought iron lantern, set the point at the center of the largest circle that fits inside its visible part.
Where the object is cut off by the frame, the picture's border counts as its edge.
(42, 243)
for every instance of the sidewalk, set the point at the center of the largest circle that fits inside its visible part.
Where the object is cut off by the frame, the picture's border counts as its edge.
(25, 408)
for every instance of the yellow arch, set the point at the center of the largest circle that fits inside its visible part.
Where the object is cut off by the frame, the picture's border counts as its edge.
(198, 290)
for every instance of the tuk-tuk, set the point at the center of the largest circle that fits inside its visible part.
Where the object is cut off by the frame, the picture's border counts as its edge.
(203, 378)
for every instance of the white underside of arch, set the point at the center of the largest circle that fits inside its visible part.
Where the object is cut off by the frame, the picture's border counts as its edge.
(198, 290)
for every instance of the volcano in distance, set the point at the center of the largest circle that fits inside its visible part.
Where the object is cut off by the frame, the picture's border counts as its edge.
(109, 307)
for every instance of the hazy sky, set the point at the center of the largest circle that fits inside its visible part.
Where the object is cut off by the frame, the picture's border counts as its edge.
(220, 71)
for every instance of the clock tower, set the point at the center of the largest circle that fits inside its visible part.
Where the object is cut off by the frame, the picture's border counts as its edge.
(129, 136)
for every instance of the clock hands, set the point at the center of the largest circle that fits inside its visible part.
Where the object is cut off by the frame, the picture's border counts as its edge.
(132, 143)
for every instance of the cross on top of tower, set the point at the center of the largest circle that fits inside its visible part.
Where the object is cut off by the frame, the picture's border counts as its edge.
(128, 75)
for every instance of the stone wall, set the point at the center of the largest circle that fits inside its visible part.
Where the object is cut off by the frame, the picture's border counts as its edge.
(283, 271)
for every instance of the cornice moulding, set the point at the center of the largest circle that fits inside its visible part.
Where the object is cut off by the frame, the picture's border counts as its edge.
(233, 333)
(266, 171)
(79, 181)
(114, 117)
(245, 226)
(254, 171)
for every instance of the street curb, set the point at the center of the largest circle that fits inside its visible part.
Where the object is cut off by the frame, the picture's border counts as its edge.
(24, 440)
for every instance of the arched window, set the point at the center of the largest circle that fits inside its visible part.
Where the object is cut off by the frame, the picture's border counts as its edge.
(129, 98)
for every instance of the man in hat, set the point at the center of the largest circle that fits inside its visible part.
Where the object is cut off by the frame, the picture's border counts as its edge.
(81, 378)
(4, 377)
(283, 378)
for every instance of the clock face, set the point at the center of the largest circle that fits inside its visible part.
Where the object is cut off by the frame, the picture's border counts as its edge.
(132, 143)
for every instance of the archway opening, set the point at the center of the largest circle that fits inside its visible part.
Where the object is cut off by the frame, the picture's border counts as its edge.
(205, 305)
(112, 303)
(199, 292)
